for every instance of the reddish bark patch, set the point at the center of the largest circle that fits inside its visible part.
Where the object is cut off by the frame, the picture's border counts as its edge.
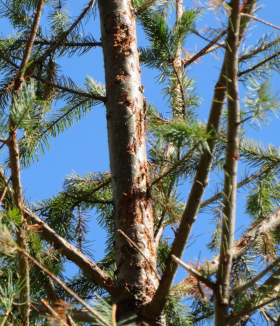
(123, 39)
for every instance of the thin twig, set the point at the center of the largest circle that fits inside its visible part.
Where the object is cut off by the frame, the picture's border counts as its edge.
(53, 312)
(204, 50)
(144, 6)
(60, 283)
(250, 310)
(259, 64)
(133, 244)
(255, 279)
(260, 20)
(174, 167)
(259, 50)
(194, 273)
(239, 185)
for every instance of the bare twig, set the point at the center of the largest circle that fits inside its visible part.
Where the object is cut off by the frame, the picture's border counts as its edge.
(53, 312)
(259, 20)
(255, 279)
(205, 50)
(194, 273)
(133, 244)
(144, 7)
(250, 310)
(259, 64)
(239, 185)
(264, 47)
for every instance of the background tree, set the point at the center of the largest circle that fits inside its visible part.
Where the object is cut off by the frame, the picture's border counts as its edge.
(139, 201)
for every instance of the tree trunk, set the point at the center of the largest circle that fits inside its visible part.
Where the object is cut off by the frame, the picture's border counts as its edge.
(136, 276)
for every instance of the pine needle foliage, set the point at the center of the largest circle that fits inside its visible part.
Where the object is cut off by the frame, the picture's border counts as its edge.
(185, 156)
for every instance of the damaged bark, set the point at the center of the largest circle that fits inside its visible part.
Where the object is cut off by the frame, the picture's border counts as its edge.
(136, 278)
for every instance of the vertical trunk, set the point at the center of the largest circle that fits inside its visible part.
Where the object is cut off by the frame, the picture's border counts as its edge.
(130, 180)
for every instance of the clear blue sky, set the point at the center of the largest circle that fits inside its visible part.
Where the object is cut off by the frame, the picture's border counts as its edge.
(84, 147)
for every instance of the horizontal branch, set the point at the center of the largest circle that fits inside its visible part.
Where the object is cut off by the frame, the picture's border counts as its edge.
(66, 44)
(71, 91)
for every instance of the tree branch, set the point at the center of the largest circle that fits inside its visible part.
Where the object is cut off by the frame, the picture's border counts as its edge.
(23, 264)
(247, 241)
(239, 185)
(53, 313)
(259, 64)
(259, 50)
(205, 50)
(260, 20)
(71, 91)
(239, 315)
(79, 315)
(255, 279)
(73, 254)
(230, 168)
(201, 179)
(194, 273)
(144, 7)
(62, 37)
(63, 286)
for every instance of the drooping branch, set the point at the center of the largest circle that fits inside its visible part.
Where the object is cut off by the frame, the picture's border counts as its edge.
(72, 253)
(66, 249)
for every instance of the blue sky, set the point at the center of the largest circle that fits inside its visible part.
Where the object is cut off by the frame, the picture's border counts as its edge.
(84, 147)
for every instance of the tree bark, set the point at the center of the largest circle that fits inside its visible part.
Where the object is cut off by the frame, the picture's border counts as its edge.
(136, 278)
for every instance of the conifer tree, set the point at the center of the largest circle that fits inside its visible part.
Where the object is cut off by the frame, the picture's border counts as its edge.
(150, 155)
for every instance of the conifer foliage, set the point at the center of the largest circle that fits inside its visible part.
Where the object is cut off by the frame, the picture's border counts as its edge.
(151, 156)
